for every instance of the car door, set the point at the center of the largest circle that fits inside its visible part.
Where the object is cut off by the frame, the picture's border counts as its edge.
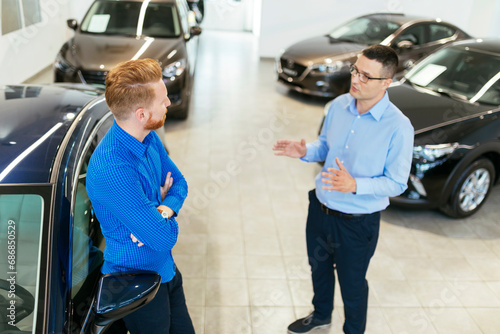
(87, 241)
(24, 224)
(409, 53)
(425, 39)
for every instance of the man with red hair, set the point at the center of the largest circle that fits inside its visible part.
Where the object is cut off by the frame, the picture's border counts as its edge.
(137, 191)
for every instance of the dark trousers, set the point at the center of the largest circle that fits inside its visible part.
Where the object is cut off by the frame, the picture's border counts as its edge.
(347, 245)
(165, 314)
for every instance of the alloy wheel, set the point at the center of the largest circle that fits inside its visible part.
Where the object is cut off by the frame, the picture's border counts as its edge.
(474, 189)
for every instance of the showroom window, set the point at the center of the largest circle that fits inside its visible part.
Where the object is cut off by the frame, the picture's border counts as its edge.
(17, 14)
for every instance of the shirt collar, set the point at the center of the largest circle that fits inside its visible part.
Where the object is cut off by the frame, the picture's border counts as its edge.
(376, 111)
(133, 145)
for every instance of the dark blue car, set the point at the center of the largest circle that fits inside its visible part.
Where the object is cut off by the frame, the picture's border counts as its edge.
(51, 243)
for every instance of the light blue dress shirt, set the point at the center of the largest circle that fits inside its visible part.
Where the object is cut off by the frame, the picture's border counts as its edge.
(375, 148)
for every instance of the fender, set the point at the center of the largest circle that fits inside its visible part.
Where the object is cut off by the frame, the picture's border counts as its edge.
(469, 158)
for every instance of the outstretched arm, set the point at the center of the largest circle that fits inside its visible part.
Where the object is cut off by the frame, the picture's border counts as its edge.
(290, 148)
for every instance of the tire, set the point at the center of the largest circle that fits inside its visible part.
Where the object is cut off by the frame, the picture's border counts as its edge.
(472, 189)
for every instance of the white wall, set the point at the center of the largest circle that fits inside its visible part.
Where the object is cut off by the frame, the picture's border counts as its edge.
(25, 52)
(285, 22)
(229, 15)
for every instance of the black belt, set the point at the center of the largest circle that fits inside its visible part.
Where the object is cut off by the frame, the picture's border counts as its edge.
(336, 213)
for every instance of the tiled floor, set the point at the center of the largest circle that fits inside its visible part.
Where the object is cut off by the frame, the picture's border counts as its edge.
(242, 250)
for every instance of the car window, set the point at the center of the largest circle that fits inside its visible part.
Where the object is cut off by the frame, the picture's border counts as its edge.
(132, 18)
(21, 217)
(415, 34)
(161, 21)
(365, 30)
(438, 31)
(470, 74)
(87, 240)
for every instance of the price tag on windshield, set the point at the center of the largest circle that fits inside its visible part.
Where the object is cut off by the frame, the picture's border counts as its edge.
(427, 74)
(99, 23)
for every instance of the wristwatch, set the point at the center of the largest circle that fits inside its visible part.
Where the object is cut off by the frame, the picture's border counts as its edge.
(164, 214)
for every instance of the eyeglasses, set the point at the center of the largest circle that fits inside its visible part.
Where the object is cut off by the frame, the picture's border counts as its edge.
(362, 77)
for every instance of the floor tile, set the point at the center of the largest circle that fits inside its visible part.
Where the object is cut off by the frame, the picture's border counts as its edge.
(191, 265)
(226, 292)
(274, 293)
(262, 245)
(394, 293)
(452, 321)
(486, 319)
(226, 266)
(382, 267)
(456, 269)
(436, 293)
(476, 294)
(228, 320)
(266, 267)
(408, 320)
(418, 269)
(271, 319)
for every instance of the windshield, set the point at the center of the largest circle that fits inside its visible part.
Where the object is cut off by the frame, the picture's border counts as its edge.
(460, 71)
(365, 30)
(132, 18)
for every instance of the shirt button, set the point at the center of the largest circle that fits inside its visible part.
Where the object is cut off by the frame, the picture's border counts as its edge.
(359, 116)
(352, 131)
(347, 146)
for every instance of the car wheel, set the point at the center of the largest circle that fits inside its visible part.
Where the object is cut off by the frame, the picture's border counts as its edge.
(472, 189)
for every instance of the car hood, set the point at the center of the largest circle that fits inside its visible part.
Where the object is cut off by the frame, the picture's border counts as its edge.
(316, 49)
(33, 122)
(427, 110)
(102, 52)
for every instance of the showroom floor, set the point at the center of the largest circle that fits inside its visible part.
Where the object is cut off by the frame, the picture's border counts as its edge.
(241, 248)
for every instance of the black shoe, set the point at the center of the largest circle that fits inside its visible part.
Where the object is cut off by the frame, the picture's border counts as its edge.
(307, 324)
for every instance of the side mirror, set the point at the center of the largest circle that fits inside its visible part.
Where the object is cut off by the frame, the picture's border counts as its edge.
(72, 24)
(118, 295)
(405, 44)
(195, 31)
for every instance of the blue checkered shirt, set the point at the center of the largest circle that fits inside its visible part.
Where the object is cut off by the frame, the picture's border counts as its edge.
(123, 183)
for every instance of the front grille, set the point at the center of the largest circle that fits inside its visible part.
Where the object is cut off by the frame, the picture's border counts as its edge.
(291, 68)
(97, 77)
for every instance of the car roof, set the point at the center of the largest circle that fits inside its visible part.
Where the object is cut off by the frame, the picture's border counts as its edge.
(401, 18)
(490, 45)
(33, 121)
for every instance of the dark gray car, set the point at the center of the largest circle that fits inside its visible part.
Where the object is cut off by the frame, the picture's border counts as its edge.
(320, 65)
(116, 31)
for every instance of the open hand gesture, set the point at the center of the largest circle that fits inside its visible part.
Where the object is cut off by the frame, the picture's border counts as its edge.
(338, 179)
(290, 148)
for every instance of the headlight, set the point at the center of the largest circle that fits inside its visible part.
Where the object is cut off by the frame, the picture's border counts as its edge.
(175, 69)
(328, 67)
(432, 152)
(62, 64)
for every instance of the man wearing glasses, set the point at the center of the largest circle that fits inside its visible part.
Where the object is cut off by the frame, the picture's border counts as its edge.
(366, 143)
